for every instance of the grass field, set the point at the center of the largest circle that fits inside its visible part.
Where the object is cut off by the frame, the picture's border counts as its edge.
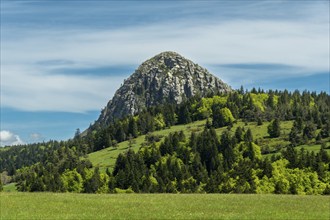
(162, 206)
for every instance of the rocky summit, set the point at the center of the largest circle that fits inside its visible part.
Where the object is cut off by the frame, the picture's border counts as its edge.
(166, 78)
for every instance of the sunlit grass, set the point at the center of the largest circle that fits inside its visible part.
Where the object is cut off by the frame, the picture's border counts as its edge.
(162, 206)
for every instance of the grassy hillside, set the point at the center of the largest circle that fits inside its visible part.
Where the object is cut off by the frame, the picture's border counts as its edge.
(10, 187)
(162, 206)
(106, 158)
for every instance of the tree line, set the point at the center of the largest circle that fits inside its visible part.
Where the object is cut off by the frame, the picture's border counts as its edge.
(204, 162)
(217, 159)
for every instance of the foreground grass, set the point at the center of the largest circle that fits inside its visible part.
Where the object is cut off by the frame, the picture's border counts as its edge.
(162, 206)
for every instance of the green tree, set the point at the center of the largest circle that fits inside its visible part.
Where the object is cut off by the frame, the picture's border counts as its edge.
(72, 181)
(325, 130)
(159, 121)
(291, 155)
(279, 178)
(294, 136)
(248, 137)
(251, 151)
(132, 127)
(239, 134)
(77, 134)
(92, 184)
(221, 117)
(309, 130)
(120, 134)
(323, 155)
(274, 129)
(184, 116)
(270, 101)
(208, 148)
(197, 170)
(227, 150)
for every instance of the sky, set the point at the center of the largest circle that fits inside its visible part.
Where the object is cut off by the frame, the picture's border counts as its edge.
(62, 61)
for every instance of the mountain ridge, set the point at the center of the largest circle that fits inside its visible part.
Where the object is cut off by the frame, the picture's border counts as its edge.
(167, 77)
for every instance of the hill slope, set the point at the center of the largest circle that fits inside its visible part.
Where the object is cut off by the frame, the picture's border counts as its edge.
(106, 158)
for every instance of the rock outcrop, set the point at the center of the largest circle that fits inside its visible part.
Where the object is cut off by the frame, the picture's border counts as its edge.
(166, 78)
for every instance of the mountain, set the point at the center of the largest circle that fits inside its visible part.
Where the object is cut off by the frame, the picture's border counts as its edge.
(166, 78)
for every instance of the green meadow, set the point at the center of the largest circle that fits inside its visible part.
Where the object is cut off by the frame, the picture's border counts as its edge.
(162, 206)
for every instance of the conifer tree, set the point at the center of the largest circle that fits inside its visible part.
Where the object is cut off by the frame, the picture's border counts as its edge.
(239, 134)
(248, 137)
(309, 130)
(132, 127)
(92, 185)
(294, 137)
(274, 129)
(184, 115)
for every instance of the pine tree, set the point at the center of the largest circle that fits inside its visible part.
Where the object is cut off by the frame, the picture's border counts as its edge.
(77, 134)
(309, 130)
(132, 127)
(323, 155)
(270, 101)
(274, 129)
(184, 115)
(193, 141)
(325, 130)
(248, 137)
(227, 150)
(294, 137)
(92, 185)
(120, 134)
(239, 134)
(291, 155)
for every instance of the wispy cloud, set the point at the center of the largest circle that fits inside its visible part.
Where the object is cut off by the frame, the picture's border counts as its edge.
(32, 90)
(49, 69)
(36, 137)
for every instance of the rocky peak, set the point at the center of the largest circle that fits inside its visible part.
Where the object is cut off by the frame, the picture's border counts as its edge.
(167, 77)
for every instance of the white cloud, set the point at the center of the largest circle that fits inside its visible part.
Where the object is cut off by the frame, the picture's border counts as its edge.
(8, 138)
(27, 85)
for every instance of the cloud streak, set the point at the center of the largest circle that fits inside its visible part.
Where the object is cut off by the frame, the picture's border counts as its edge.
(36, 64)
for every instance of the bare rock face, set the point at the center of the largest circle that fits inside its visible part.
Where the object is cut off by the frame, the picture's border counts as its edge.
(166, 78)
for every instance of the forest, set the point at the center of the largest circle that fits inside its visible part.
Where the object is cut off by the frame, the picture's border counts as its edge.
(201, 162)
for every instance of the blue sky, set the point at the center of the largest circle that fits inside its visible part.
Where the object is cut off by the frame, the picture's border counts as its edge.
(61, 61)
